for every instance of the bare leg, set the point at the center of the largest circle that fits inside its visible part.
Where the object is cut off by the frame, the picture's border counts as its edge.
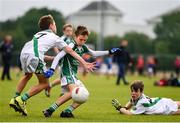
(61, 100)
(75, 105)
(43, 83)
(55, 82)
(178, 103)
(68, 111)
(177, 112)
(22, 83)
(67, 96)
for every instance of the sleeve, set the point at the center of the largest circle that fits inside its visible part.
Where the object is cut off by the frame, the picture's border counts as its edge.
(59, 56)
(138, 109)
(98, 53)
(60, 43)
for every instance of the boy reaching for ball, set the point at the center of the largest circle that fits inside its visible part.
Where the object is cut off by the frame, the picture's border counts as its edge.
(69, 80)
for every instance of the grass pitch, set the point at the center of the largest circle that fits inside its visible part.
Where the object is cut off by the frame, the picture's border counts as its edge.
(98, 107)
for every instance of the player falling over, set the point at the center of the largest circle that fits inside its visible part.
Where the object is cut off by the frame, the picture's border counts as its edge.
(32, 60)
(142, 104)
(70, 65)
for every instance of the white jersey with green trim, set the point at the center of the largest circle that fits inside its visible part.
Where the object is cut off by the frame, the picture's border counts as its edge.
(42, 42)
(146, 105)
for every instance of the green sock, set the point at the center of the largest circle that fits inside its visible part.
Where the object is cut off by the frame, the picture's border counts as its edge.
(17, 94)
(53, 107)
(69, 109)
(25, 97)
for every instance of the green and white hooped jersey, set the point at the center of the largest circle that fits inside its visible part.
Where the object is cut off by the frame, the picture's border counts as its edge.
(146, 105)
(69, 63)
(41, 43)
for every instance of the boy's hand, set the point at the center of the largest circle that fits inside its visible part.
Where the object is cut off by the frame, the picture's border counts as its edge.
(114, 50)
(49, 73)
(116, 104)
(89, 67)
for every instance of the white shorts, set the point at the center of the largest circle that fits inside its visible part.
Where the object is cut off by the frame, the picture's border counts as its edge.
(170, 105)
(32, 64)
(64, 84)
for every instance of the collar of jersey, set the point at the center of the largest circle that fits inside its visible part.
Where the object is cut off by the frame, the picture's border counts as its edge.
(48, 30)
(75, 44)
(136, 101)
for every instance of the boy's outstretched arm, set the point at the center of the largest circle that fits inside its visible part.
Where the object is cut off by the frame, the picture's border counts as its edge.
(123, 110)
(60, 55)
(88, 66)
(102, 53)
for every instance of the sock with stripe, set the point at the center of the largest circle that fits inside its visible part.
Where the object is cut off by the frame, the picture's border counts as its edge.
(69, 109)
(25, 97)
(17, 94)
(53, 107)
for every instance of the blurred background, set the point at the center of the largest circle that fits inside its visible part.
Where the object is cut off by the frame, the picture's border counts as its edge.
(151, 27)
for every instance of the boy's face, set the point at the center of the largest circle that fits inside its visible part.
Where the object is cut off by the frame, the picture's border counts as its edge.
(8, 39)
(81, 39)
(135, 94)
(68, 31)
(124, 43)
(53, 27)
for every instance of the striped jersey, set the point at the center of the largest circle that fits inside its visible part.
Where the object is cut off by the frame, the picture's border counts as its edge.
(69, 63)
(42, 42)
(157, 105)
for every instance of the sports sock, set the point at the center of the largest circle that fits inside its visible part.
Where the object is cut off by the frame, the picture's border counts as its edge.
(25, 97)
(17, 94)
(69, 109)
(53, 107)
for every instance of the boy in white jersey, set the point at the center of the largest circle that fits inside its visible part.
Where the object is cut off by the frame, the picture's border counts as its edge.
(142, 104)
(70, 65)
(68, 34)
(32, 59)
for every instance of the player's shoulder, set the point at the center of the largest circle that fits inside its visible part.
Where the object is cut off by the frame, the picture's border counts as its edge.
(85, 46)
(143, 100)
(48, 33)
(66, 39)
(63, 37)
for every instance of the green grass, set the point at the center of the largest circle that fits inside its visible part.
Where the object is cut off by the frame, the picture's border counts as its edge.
(97, 108)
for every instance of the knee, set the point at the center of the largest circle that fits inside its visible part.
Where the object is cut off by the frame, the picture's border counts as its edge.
(28, 76)
(44, 84)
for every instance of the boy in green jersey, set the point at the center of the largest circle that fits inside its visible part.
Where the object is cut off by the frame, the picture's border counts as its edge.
(69, 67)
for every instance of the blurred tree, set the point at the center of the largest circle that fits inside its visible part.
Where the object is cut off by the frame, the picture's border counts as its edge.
(161, 47)
(26, 26)
(168, 31)
(92, 39)
(111, 41)
(139, 43)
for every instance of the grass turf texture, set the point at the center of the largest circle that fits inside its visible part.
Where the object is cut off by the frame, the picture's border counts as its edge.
(97, 108)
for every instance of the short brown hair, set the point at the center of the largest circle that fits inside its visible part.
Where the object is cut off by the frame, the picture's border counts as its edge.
(67, 25)
(81, 30)
(45, 21)
(136, 85)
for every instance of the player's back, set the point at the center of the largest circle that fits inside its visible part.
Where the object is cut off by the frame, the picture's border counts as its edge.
(42, 41)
